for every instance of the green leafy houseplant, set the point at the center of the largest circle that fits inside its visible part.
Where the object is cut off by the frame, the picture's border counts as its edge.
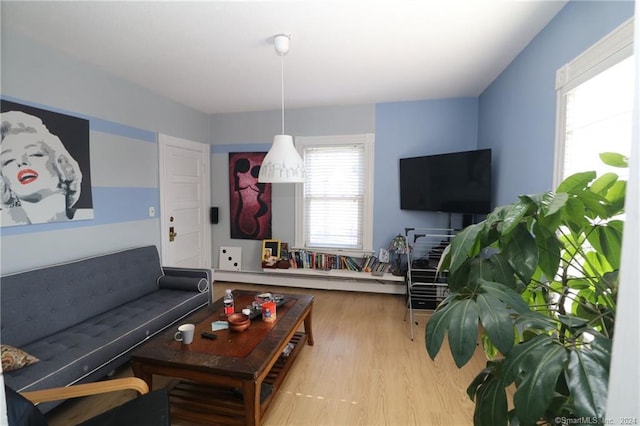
(536, 284)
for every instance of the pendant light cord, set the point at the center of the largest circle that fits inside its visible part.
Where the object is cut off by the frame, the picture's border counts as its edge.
(282, 88)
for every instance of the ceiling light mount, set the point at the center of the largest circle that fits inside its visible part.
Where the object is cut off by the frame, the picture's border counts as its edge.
(281, 43)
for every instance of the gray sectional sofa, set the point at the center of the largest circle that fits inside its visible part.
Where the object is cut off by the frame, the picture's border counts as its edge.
(82, 319)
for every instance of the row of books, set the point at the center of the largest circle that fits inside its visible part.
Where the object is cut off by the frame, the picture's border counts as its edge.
(325, 261)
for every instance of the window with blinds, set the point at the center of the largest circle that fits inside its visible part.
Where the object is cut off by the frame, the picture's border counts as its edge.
(333, 205)
(595, 104)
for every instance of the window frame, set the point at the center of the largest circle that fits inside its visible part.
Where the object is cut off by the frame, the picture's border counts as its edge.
(367, 140)
(605, 53)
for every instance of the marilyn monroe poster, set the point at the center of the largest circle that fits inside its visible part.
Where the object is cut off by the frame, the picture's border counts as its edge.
(44, 166)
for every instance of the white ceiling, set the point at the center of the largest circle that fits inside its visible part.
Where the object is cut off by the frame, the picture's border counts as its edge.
(218, 56)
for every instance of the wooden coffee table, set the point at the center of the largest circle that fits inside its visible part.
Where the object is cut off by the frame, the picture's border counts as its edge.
(233, 379)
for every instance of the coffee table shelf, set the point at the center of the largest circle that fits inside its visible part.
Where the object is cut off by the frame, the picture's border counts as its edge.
(198, 402)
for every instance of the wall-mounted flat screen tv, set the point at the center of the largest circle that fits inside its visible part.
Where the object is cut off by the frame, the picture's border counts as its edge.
(457, 182)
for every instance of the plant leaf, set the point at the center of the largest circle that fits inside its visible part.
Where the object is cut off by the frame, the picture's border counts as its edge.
(602, 184)
(614, 159)
(553, 202)
(513, 418)
(482, 376)
(445, 259)
(541, 371)
(511, 299)
(496, 321)
(514, 216)
(515, 359)
(594, 203)
(575, 214)
(572, 321)
(610, 281)
(601, 349)
(521, 252)
(463, 331)
(460, 278)
(585, 305)
(501, 271)
(491, 404)
(587, 377)
(464, 245)
(576, 182)
(607, 240)
(535, 320)
(548, 251)
(478, 268)
(616, 196)
(437, 327)
(496, 215)
(490, 350)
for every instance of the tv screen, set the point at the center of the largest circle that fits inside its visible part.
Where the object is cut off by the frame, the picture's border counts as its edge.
(458, 182)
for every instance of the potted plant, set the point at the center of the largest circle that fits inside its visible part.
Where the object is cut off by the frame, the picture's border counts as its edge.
(536, 284)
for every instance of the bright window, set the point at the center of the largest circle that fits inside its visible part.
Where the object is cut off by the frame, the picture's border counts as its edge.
(595, 103)
(334, 205)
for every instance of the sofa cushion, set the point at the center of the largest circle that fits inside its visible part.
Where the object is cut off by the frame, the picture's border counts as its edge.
(14, 358)
(44, 301)
(184, 283)
(70, 355)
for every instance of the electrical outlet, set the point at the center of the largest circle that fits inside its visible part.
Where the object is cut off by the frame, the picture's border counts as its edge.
(152, 211)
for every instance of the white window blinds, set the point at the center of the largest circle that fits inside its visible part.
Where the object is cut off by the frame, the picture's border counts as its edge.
(595, 103)
(599, 119)
(335, 200)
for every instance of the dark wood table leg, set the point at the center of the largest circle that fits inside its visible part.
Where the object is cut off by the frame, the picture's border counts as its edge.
(251, 396)
(140, 372)
(307, 327)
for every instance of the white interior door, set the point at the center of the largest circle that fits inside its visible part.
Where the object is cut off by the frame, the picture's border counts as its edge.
(184, 200)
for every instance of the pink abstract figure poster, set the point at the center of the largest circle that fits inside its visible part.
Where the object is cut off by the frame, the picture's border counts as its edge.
(250, 201)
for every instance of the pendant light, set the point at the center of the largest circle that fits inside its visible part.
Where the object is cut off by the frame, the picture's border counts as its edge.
(282, 164)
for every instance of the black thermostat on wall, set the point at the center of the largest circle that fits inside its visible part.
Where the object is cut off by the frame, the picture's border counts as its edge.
(214, 215)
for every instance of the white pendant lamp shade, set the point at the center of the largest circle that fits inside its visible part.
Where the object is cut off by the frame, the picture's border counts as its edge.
(282, 164)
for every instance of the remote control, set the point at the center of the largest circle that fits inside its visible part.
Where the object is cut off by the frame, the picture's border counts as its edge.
(207, 335)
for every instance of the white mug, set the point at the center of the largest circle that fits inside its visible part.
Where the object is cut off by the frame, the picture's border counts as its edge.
(185, 333)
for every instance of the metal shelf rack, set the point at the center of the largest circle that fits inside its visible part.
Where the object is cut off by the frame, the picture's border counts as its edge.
(426, 287)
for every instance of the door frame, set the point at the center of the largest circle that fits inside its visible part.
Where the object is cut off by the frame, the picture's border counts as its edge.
(165, 141)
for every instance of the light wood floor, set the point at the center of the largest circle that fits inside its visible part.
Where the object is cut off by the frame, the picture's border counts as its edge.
(362, 370)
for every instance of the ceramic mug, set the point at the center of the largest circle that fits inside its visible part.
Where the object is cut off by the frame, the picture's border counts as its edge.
(185, 333)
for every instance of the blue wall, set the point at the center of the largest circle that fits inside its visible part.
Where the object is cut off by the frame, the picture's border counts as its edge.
(518, 111)
(124, 121)
(410, 129)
